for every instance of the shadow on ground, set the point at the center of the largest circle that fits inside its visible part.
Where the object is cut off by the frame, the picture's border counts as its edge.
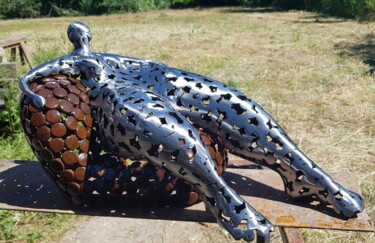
(364, 49)
(25, 186)
(251, 10)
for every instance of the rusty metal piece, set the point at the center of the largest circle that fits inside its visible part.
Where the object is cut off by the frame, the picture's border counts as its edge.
(52, 103)
(66, 107)
(58, 130)
(37, 88)
(74, 91)
(64, 83)
(36, 144)
(84, 98)
(51, 85)
(84, 145)
(85, 108)
(276, 205)
(80, 173)
(252, 184)
(72, 142)
(38, 119)
(60, 92)
(193, 198)
(82, 159)
(56, 145)
(46, 155)
(43, 133)
(60, 77)
(53, 116)
(71, 123)
(73, 188)
(88, 121)
(69, 157)
(47, 79)
(57, 165)
(77, 113)
(291, 235)
(81, 132)
(33, 108)
(67, 175)
(72, 98)
(46, 93)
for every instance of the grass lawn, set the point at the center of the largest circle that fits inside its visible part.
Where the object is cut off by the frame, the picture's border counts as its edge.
(314, 75)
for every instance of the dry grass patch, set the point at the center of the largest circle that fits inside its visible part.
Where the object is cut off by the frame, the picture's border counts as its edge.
(312, 74)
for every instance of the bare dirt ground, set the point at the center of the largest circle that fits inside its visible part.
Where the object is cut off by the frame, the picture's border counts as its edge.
(109, 229)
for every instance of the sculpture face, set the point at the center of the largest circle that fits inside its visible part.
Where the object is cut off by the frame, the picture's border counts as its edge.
(146, 110)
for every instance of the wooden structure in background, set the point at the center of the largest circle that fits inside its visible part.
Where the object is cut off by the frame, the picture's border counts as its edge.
(14, 43)
(8, 67)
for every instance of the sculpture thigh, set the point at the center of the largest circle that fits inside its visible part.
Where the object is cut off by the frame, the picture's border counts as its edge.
(138, 124)
(243, 127)
(135, 122)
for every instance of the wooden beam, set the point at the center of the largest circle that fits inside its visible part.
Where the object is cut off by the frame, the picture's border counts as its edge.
(291, 235)
(26, 54)
(25, 186)
(13, 41)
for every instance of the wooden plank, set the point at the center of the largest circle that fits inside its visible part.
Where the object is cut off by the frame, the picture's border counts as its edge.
(291, 235)
(26, 54)
(3, 56)
(13, 41)
(25, 186)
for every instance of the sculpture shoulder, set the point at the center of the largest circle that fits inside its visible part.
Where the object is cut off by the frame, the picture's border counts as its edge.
(118, 62)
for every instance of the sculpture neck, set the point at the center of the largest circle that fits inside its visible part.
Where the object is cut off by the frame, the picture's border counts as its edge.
(82, 48)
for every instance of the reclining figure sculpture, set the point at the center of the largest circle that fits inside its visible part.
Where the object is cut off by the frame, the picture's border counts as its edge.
(146, 110)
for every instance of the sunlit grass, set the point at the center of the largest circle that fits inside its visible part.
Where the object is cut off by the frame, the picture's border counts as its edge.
(307, 72)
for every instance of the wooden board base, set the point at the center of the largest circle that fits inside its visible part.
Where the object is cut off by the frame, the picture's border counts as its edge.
(25, 186)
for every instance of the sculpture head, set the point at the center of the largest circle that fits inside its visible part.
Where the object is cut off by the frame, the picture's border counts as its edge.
(80, 36)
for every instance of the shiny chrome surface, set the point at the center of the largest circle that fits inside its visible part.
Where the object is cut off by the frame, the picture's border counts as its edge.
(147, 110)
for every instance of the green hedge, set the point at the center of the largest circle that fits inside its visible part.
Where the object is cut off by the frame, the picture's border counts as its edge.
(359, 9)
(35, 8)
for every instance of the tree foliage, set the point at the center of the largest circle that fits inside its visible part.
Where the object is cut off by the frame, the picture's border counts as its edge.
(360, 9)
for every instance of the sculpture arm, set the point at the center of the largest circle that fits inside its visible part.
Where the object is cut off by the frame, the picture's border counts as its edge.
(61, 65)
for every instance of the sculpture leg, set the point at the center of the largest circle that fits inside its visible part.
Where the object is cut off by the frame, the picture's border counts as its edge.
(140, 124)
(248, 131)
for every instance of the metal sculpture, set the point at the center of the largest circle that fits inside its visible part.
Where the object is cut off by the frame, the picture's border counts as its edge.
(65, 139)
(145, 109)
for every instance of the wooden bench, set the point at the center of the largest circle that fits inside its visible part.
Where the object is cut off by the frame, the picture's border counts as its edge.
(25, 186)
(13, 43)
(8, 68)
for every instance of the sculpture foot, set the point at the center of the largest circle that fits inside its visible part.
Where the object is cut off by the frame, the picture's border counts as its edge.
(345, 202)
(240, 219)
(252, 222)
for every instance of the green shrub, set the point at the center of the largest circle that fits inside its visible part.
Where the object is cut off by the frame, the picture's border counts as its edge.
(9, 117)
(116, 6)
(361, 9)
(90, 7)
(20, 8)
(183, 3)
